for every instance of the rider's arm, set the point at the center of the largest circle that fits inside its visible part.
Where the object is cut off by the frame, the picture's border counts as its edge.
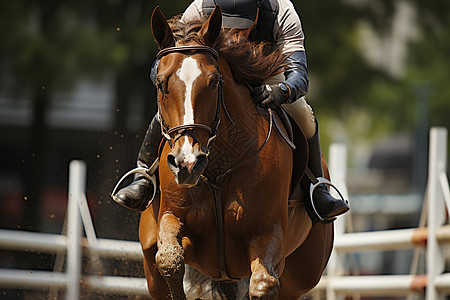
(296, 75)
(290, 40)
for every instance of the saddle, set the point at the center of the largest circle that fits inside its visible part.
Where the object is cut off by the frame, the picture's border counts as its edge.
(299, 143)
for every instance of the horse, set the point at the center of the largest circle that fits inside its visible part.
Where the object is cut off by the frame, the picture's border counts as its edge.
(225, 176)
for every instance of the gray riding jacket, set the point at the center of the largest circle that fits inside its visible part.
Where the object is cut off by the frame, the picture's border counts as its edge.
(278, 23)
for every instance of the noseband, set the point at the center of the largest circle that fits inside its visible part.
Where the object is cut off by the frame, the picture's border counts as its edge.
(182, 130)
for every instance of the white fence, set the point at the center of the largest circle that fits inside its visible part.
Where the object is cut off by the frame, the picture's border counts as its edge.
(73, 245)
(434, 283)
(334, 285)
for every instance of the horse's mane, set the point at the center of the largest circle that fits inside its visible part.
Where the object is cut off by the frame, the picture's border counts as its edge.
(250, 62)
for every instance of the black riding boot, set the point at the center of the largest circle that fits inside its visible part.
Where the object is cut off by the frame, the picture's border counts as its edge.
(325, 205)
(137, 195)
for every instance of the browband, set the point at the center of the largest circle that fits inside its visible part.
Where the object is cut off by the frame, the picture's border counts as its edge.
(168, 50)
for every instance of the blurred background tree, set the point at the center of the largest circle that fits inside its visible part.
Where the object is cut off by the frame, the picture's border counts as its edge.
(50, 46)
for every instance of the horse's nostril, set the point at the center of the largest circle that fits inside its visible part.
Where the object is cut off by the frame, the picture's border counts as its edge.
(187, 169)
(171, 160)
(201, 163)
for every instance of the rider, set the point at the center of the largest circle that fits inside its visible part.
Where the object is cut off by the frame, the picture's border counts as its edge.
(278, 23)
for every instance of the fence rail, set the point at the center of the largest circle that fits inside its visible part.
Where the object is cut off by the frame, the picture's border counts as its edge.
(73, 245)
(53, 243)
(32, 279)
(435, 282)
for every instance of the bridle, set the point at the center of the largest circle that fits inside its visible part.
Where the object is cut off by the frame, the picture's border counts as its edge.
(182, 130)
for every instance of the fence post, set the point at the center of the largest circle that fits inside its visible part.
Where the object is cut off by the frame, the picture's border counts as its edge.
(77, 189)
(436, 210)
(338, 167)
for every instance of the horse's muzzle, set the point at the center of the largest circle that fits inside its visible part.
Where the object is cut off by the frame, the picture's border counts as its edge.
(187, 169)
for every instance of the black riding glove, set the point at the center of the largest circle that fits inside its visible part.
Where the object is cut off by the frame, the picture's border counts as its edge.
(269, 95)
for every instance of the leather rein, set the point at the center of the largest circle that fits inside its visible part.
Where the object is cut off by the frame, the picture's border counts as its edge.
(181, 130)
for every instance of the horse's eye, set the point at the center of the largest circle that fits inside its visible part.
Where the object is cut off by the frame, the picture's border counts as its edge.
(160, 84)
(215, 81)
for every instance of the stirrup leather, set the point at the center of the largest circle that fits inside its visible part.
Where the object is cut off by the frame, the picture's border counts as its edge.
(148, 173)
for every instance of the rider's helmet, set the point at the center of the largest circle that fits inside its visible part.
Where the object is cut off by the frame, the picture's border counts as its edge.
(238, 13)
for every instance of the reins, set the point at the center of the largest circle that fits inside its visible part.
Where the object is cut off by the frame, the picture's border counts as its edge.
(244, 162)
(212, 130)
(180, 130)
(213, 183)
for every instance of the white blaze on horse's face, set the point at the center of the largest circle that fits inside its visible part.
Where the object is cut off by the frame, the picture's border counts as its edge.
(188, 73)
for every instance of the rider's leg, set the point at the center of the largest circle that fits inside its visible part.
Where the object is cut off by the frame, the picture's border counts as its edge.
(137, 195)
(303, 115)
(327, 206)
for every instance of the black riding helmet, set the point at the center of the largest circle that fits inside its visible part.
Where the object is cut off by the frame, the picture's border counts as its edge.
(238, 13)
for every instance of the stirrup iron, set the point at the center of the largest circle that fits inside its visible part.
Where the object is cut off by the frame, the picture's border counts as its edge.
(147, 173)
(313, 186)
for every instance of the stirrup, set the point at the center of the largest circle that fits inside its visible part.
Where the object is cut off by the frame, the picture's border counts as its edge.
(313, 186)
(146, 173)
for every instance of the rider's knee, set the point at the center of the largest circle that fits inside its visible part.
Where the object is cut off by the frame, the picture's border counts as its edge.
(303, 113)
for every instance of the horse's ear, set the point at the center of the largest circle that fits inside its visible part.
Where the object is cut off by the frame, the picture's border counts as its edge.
(211, 29)
(161, 30)
(251, 30)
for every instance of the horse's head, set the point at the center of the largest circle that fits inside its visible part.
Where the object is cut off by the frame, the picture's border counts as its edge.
(189, 95)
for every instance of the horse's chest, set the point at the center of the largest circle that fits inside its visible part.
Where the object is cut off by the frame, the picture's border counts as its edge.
(216, 213)
(234, 145)
(201, 211)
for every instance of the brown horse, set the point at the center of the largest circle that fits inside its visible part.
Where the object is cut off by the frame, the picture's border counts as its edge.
(223, 207)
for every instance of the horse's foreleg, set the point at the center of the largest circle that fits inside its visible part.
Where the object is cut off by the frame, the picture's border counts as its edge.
(148, 236)
(157, 286)
(170, 255)
(267, 262)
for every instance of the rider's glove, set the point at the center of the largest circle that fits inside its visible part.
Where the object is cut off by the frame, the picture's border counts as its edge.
(271, 95)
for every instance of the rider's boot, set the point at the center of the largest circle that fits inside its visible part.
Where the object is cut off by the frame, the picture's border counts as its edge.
(326, 206)
(137, 195)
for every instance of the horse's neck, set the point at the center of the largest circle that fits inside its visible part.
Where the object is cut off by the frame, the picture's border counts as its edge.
(245, 122)
(237, 97)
